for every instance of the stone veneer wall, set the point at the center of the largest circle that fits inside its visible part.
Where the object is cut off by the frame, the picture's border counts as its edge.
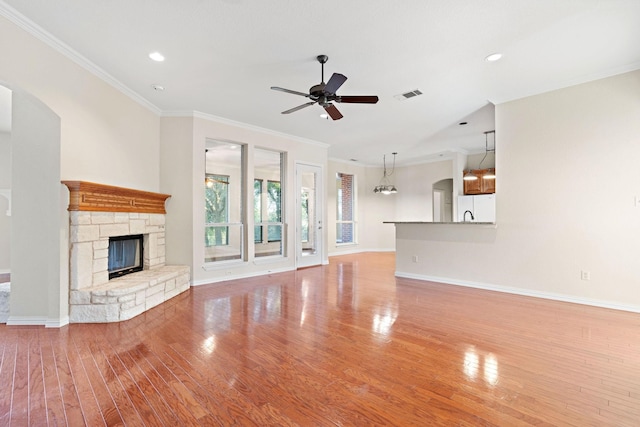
(89, 237)
(95, 298)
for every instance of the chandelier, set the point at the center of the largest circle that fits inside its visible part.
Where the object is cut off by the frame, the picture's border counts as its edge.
(385, 186)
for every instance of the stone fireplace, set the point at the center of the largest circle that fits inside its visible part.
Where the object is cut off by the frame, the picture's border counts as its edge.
(99, 212)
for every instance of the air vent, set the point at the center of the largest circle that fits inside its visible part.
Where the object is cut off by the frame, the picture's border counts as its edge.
(408, 95)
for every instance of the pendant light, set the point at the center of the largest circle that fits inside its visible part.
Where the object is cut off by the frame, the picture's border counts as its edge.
(385, 186)
(470, 176)
(491, 172)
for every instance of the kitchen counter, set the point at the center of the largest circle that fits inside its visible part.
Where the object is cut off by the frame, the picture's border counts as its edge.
(486, 224)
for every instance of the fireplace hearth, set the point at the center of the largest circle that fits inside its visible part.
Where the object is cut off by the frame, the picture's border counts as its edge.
(117, 263)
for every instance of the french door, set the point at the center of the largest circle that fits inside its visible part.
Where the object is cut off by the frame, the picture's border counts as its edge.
(309, 214)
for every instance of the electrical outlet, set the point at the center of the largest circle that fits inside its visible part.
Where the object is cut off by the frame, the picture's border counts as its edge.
(414, 258)
(585, 275)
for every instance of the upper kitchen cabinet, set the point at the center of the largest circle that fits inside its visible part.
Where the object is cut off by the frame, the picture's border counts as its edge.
(480, 185)
(483, 180)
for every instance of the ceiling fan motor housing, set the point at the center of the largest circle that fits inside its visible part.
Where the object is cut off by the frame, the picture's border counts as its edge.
(317, 91)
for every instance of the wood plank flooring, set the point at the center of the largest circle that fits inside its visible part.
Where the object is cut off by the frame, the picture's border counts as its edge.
(346, 344)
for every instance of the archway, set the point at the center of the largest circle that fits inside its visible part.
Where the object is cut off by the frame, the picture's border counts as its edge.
(443, 200)
(38, 243)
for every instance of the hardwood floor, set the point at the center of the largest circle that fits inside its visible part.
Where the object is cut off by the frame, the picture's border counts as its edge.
(343, 344)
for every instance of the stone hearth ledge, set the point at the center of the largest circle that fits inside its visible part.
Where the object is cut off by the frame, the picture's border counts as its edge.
(128, 296)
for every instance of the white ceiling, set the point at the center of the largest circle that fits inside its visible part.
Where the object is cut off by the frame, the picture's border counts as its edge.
(222, 56)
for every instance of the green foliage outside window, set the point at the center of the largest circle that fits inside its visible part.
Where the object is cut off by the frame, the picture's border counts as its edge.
(274, 211)
(216, 210)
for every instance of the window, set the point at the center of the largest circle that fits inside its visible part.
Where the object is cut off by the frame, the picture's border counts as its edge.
(267, 203)
(223, 195)
(304, 221)
(345, 208)
(216, 197)
(257, 210)
(274, 211)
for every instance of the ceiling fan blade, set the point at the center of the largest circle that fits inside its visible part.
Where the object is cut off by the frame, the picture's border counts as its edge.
(357, 99)
(332, 111)
(334, 83)
(299, 107)
(295, 92)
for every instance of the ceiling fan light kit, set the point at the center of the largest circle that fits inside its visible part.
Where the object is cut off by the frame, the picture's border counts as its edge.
(325, 95)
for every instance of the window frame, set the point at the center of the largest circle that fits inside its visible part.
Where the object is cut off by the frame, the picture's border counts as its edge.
(340, 210)
(272, 209)
(217, 179)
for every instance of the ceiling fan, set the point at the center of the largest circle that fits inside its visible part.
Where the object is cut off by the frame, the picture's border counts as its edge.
(325, 94)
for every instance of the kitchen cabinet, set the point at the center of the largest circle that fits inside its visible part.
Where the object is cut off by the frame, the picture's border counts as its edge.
(480, 185)
(483, 208)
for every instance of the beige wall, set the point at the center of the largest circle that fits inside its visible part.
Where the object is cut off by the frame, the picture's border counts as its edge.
(106, 136)
(39, 224)
(101, 135)
(371, 210)
(415, 189)
(567, 165)
(5, 184)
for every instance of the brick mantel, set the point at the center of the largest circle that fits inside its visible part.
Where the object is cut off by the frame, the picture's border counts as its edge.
(89, 196)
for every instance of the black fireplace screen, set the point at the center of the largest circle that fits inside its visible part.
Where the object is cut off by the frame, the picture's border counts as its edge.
(125, 255)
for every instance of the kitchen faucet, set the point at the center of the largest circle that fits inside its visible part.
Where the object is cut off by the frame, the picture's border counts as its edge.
(464, 216)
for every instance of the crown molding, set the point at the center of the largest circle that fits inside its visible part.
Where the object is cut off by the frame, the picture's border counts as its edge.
(247, 126)
(41, 34)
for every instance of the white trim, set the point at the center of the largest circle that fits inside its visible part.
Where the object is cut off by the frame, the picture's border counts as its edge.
(223, 264)
(57, 323)
(419, 160)
(360, 250)
(26, 321)
(271, 259)
(214, 280)
(40, 33)
(523, 292)
(224, 120)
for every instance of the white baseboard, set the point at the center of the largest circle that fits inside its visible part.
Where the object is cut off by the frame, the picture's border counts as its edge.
(57, 323)
(524, 292)
(26, 321)
(239, 276)
(352, 251)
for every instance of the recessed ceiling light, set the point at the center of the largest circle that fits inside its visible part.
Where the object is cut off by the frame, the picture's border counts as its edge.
(493, 57)
(156, 56)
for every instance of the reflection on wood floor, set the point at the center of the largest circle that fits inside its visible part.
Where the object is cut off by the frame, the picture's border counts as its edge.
(343, 344)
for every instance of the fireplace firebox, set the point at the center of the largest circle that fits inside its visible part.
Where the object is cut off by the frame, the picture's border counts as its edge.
(126, 255)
